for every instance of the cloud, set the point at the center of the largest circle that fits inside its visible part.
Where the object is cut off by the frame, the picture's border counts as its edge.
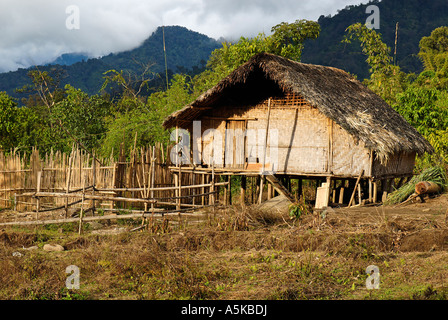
(35, 32)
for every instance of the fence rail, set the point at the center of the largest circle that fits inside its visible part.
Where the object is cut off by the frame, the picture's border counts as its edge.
(141, 182)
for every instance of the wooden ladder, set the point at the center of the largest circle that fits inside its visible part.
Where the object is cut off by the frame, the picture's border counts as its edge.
(280, 187)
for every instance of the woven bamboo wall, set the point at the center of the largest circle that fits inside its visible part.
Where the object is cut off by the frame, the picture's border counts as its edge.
(399, 164)
(308, 142)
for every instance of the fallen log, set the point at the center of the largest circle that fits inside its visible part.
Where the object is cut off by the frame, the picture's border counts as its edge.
(426, 187)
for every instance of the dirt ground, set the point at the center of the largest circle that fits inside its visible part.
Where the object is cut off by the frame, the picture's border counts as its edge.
(236, 253)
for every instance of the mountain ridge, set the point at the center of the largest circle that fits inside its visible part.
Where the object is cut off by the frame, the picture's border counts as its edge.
(188, 51)
(88, 74)
(416, 18)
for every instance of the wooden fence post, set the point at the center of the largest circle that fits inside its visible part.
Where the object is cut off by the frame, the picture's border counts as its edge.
(67, 187)
(39, 181)
(81, 213)
(93, 182)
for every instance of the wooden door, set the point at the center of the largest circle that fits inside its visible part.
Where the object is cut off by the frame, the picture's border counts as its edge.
(235, 144)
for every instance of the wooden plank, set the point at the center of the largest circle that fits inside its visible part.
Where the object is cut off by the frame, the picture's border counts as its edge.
(354, 190)
(322, 196)
(375, 191)
(280, 188)
(260, 198)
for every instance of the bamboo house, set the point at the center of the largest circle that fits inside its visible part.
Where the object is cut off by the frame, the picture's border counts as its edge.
(321, 122)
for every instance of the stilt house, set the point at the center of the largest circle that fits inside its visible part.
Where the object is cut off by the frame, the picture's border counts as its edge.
(299, 121)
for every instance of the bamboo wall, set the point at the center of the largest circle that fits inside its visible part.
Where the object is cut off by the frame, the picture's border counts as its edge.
(308, 142)
(143, 169)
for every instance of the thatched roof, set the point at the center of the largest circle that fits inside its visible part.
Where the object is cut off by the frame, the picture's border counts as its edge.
(332, 91)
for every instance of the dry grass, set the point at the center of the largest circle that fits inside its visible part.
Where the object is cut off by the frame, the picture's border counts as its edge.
(235, 254)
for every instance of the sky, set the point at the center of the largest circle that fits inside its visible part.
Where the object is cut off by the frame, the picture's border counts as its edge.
(36, 32)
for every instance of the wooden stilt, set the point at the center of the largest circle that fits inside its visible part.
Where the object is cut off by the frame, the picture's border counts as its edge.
(385, 187)
(341, 192)
(375, 191)
(359, 194)
(269, 186)
(354, 190)
(243, 190)
(229, 192)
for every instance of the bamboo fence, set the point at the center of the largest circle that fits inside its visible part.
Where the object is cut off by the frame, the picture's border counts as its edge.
(142, 182)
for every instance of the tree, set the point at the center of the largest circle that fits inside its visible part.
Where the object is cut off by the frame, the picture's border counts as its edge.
(83, 116)
(286, 40)
(434, 55)
(146, 119)
(20, 128)
(386, 79)
(8, 121)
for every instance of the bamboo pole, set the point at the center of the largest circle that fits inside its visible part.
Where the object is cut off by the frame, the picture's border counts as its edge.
(153, 177)
(81, 213)
(243, 190)
(93, 182)
(260, 198)
(105, 190)
(39, 181)
(354, 190)
(179, 182)
(203, 189)
(212, 184)
(90, 197)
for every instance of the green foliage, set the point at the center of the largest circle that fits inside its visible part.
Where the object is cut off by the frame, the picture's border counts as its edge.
(386, 79)
(8, 121)
(19, 127)
(425, 108)
(416, 19)
(421, 100)
(434, 54)
(298, 209)
(83, 116)
(145, 119)
(435, 174)
(287, 40)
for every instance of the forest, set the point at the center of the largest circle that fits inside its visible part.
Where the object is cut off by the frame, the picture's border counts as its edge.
(53, 117)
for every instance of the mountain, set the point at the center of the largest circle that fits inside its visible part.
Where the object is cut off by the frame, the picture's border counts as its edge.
(416, 18)
(186, 51)
(68, 59)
